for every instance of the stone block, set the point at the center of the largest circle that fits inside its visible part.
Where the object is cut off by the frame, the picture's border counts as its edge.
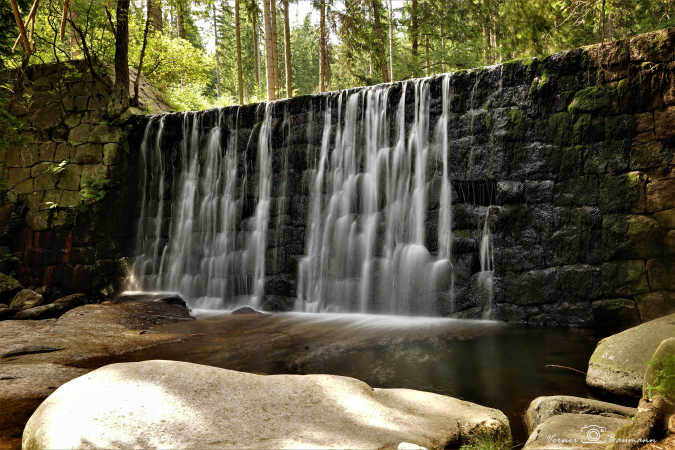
(88, 154)
(110, 154)
(644, 122)
(24, 156)
(48, 116)
(70, 199)
(624, 278)
(104, 133)
(663, 124)
(94, 172)
(80, 134)
(73, 120)
(656, 46)
(40, 169)
(649, 154)
(17, 175)
(44, 182)
(661, 273)
(539, 191)
(63, 152)
(666, 218)
(655, 304)
(46, 151)
(661, 194)
(70, 177)
(25, 187)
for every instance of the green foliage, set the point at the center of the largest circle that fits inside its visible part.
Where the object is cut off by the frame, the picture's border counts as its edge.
(664, 382)
(57, 169)
(8, 123)
(486, 442)
(94, 190)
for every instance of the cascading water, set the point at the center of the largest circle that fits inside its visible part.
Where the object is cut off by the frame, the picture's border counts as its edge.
(198, 248)
(366, 245)
(487, 262)
(378, 231)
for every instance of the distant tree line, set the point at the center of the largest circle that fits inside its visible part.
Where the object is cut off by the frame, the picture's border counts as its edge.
(215, 52)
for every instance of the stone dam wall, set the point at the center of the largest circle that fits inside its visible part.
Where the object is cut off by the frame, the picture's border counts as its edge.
(571, 155)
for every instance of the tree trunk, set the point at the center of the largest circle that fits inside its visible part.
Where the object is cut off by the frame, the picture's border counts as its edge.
(391, 44)
(322, 47)
(215, 38)
(180, 19)
(287, 52)
(240, 75)
(414, 31)
(256, 49)
(20, 26)
(602, 19)
(121, 88)
(381, 50)
(275, 45)
(269, 52)
(155, 15)
(427, 60)
(140, 60)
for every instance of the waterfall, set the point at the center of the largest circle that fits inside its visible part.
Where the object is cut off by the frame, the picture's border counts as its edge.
(366, 244)
(368, 189)
(487, 262)
(191, 237)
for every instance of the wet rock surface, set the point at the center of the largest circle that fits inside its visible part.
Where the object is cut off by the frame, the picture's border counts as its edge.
(182, 405)
(37, 356)
(543, 408)
(574, 431)
(619, 362)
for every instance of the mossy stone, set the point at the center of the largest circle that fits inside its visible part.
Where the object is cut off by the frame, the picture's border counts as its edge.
(559, 128)
(70, 177)
(590, 99)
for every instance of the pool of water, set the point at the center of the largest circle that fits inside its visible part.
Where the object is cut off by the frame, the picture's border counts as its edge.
(489, 363)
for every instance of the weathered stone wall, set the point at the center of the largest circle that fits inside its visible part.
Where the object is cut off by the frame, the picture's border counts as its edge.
(65, 210)
(573, 156)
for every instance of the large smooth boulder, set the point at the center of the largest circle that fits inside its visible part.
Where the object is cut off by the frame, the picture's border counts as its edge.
(37, 356)
(543, 408)
(574, 431)
(23, 387)
(172, 404)
(618, 364)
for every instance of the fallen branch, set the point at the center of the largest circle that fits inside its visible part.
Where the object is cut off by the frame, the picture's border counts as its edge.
(565, 367)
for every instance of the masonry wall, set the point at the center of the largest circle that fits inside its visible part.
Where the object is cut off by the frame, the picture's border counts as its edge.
(572, 154)
(65, 203)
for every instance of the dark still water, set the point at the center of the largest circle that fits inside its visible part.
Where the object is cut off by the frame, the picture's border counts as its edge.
(485, 362)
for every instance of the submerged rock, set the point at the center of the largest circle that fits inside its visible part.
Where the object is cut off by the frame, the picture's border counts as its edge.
(543, 408)
(181, 405)
(618, 364)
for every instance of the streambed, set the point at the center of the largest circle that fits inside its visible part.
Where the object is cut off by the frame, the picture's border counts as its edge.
(486, 362)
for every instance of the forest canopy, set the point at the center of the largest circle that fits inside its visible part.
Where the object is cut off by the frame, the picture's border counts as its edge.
(218, 52)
